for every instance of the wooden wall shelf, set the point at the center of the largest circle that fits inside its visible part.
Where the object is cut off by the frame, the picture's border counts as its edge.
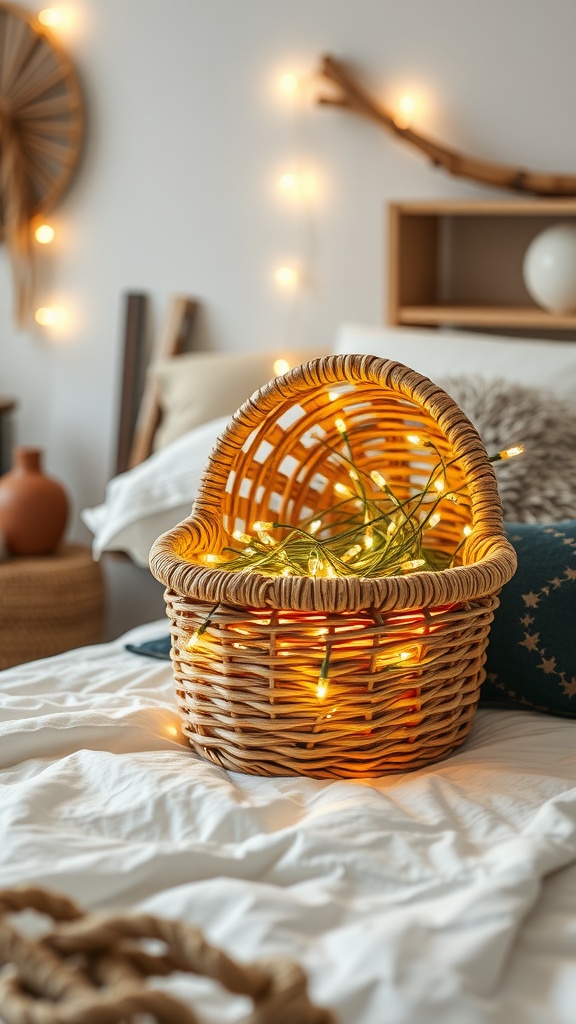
(460, 263)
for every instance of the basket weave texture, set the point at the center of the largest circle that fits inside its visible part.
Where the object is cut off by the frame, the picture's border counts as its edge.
(406, 652)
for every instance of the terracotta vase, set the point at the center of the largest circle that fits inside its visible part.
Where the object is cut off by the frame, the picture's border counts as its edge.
(33, 507)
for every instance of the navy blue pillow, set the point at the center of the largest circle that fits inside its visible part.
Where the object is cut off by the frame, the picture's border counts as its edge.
(157, 648)
(531, 657)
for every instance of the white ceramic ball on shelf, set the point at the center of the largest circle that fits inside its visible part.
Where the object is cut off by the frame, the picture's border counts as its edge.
(550, 268)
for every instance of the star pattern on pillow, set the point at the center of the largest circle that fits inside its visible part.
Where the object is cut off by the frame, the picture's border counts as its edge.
(537, 620)
(531, 641)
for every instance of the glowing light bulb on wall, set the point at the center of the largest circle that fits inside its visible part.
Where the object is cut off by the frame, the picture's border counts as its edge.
(44, 234)
(64, 20)
(51, 17)
(286, 277)
(289, 83)
(406, 110)
(48, 316)
(298, 186)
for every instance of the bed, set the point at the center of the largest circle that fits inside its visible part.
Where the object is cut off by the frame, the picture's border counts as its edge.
(445, 894)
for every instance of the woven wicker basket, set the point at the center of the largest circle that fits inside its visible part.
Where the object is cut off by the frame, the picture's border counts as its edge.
(406, 651)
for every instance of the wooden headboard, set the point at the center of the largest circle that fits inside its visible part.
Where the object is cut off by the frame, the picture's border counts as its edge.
(139, 406)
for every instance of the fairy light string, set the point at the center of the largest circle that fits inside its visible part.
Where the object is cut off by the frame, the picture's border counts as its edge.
(364, 534)
(193, 640)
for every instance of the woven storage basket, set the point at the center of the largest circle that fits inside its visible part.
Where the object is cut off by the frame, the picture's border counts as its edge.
(406, 651)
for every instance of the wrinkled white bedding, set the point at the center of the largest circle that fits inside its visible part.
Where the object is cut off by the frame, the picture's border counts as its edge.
(445, 896)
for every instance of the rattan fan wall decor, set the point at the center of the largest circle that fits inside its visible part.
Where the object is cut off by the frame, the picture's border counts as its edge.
(405, 652)
(41, 131)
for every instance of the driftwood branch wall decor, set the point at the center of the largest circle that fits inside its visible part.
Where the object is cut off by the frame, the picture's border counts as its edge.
(352, 96)
(41, 129)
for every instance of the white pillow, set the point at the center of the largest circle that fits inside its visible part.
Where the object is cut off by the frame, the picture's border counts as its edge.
(198, 386)
(441, 353)
(153, 497)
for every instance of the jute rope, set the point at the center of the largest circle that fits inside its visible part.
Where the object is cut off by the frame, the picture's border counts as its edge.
(93, 969)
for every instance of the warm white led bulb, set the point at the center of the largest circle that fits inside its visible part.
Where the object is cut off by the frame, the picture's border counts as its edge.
(289, 83)
(344, 491)
(322, 688)
(286, 277)
(412, 563)
(44, 234)
(47, 316)
(510, 453)
(351, 553)
(405, 112)
(51, 17)
(242, 537)
(433, 521)
(378, 479)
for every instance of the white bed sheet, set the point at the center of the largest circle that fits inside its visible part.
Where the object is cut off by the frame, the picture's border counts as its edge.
(445, 895)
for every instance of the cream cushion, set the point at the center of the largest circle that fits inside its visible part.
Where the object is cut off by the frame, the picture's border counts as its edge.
(197, 387)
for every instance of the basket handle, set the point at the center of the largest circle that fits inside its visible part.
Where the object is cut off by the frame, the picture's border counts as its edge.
(331, 370)
(489, 560)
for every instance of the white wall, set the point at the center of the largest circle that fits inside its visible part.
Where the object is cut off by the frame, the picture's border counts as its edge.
(186, 135)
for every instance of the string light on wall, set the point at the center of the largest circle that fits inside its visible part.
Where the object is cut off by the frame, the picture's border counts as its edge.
(44, 234)
(295, 185)
(60, 19)
(286, 277)
(59, 321)
(41, 134)
(46, 316)
(404, 115)
(289, 84)
(51, 17)
(49, 316)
